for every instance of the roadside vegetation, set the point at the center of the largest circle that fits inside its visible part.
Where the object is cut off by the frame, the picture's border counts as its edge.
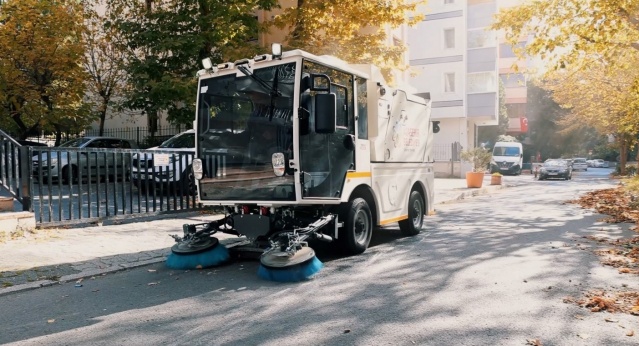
(619, 204)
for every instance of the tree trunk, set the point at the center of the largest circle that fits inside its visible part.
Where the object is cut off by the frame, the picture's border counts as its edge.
(623, 155)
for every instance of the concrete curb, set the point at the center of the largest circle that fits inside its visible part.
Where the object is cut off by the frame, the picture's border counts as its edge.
(82, 275)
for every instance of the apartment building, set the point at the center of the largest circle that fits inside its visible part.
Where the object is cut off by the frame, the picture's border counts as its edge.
(460, 62)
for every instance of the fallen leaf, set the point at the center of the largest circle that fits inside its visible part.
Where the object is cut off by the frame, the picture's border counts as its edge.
(630, 333)
(533, 342)
(96, 290)
(199, 266)
(152, 283)
(608, 319)
(346, 331)
(579, 317)
(151, 270)
(51, 320)
(79, 280)
(583, 335)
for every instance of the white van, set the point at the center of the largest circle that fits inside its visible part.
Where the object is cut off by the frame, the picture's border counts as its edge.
(507, 158)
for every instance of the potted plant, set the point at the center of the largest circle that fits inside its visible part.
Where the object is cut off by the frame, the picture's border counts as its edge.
(479, 158)
(495, 178)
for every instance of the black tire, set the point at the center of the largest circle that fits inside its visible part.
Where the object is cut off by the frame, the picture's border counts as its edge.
(188, 182)
(416, 210)
(65, 174)
(358, 227)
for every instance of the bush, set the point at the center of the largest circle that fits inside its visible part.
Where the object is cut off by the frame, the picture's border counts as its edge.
(631, 170)
(479, 157)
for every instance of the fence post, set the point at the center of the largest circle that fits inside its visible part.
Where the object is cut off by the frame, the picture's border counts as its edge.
(25, 178)
(138, 136)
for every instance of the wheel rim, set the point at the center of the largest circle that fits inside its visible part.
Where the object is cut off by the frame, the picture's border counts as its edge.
(417, 213)
(361, 225)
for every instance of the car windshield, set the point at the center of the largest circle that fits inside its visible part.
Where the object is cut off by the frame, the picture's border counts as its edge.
(75, 143)
(580, 160)
(183, 140)
(506, 151)
(554, 163)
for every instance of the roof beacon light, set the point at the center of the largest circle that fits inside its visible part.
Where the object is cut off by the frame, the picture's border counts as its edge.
(276, 48)
(207, 63)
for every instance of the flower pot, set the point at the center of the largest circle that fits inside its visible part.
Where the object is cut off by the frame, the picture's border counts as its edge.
(474, 179)
(495, 180)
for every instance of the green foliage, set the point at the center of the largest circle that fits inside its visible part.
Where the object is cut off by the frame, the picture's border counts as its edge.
(41, 77)
(166, 42)
(354, 31)
(478, 157)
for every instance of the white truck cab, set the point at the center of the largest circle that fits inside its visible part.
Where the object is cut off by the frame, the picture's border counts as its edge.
(507, 158)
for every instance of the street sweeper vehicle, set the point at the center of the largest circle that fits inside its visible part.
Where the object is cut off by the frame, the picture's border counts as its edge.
(299, 148)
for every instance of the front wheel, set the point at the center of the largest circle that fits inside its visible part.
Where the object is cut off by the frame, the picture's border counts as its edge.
(413, 225)
(358, 227)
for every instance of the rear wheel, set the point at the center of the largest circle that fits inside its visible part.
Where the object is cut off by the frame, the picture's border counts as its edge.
(358, 227)
(413, 225)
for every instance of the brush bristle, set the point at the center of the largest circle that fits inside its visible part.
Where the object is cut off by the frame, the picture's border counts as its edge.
(209, 258)
(295, 273)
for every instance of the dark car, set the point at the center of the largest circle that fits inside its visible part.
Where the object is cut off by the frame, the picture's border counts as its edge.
(555, 169)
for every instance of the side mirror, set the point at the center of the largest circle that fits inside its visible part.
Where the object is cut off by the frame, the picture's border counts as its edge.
(325, 113)
(320, 82)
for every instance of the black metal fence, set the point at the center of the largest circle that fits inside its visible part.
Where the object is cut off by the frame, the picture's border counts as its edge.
(72, 185)
(145, 137)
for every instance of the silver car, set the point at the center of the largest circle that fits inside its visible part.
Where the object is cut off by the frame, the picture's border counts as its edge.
(579, 164)
(58, 163)
(168, 163)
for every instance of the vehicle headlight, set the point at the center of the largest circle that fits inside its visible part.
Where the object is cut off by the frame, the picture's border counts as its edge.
(198, 172)
(279, 164)
(542, 169)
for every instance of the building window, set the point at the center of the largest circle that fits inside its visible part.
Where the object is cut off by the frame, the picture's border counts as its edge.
(449, 38)
(513, 80)
(481, 39)
(481, 82)
(447, 2)
(449, 82)
(507, 51)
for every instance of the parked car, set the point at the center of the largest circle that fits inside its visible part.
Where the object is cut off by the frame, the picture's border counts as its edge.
(600, 163)
(555, 169)
(157, 165)
(579, 164)
(59, 163)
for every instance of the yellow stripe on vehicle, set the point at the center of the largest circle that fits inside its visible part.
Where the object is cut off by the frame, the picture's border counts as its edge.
(395, 219)
(358, 175)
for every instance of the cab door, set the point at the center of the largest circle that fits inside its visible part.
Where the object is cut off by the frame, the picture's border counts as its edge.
(326, 158)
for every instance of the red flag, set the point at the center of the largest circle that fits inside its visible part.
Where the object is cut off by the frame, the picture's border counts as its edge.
(523, 122)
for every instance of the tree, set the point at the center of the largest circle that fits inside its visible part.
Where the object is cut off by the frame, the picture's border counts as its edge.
(567, 30)
(579, 38)
(602, 98)
(104, 63)
(166, 41)
(41, 77)
(354, 31)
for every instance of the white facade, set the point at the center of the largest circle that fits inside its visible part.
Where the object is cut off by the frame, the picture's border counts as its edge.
(454, 57)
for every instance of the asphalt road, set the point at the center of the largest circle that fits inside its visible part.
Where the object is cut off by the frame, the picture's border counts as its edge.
(490, 270)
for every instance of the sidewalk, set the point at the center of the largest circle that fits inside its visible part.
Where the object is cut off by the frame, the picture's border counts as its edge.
(52, 256)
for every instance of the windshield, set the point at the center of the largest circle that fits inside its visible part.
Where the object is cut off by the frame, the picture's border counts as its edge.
(183, 140)
(75, 143)
(506, 151)
(555, 163)
(242, 121)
